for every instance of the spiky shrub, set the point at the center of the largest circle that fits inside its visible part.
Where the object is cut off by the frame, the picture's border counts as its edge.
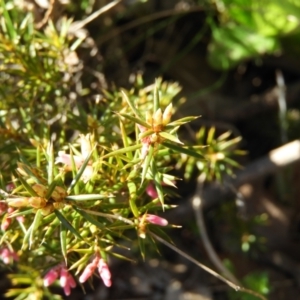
(77, 179)
(70, 208)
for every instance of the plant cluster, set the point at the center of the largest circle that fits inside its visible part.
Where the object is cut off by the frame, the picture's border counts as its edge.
(78, 178)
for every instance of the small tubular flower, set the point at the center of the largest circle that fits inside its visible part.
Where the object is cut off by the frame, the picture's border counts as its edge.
(103, 269)
(151, 191)
(104, 272)
(51, 276)
(153, 219)
(8, 256)
(66, 280)
(89, 270)
(6, 221)
(67, 160)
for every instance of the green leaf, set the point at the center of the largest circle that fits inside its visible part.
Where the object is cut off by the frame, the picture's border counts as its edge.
(50, 155)
(182, 121)
(63, 241)
(232, 162)
(186, 150)
(134, 120)
(125, 139)
(260, 18)
(146, 133)
(227, 144)
(156, 102)
(29, 189)
(132, 193)
(26, 237)
(170, 137)
(211, 135)
(50, 189)
(25, 165)
(233, 43)
(122, 150)
(160, 232)
(157, 180)
(8, 22)
(142, 247)
(224, 136)
(67, 224)
(35, 225)
(82, 261)
(21, 213)
(50, 230)
(80, 172)
(88, 197)
(147, 162)
(132, 105)
(91, 219)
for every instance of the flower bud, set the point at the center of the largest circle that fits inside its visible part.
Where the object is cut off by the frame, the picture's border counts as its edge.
(58, 205)
(104, 272)
(167, 114)
(149, 119)
(50, 277)
(18, 202)
(157, 120)
(66, 281)
(59, 194)
(89, 270)
(40, 189)
(37, 202)
(151, 191)
(156, 220)
(48, 209)
(154, 138)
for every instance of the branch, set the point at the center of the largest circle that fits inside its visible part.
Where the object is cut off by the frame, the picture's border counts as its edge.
(197, 203)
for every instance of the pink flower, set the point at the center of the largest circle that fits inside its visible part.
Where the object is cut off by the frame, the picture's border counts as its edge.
(51, 276)
(146, 142)
(8, 256)
(156, 220)
(66, 159)
(3, 208)
(66, 279)
(89, 269)
(20, 219)
(6, 221)
(10, 187)
(103, 270)
(151, 191)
